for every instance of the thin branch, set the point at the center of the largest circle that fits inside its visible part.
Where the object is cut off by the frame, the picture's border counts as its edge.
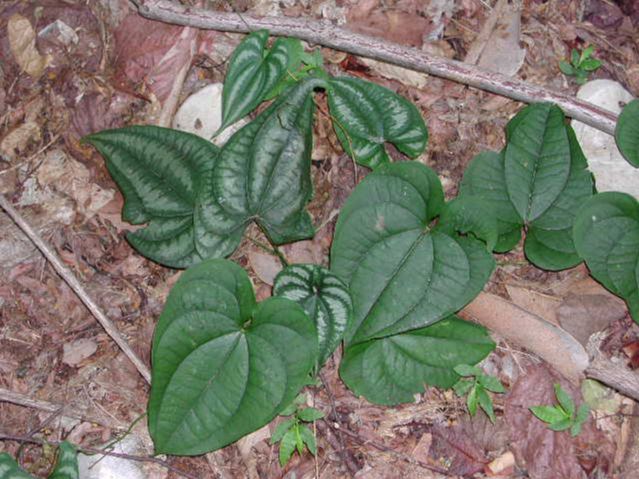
(91, 450)
(73, 282)
(329, 35)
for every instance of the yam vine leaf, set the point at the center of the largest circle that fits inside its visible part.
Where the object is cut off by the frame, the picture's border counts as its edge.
(263, 175)
(159, 172)
(627, 133)
(67, 463)
(223, 366)
(366, 116)
(325, 299)
(10, 469)
(606, 235)
(402, 273)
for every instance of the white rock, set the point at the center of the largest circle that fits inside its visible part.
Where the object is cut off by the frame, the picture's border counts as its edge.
(201, 114)
(110, 467)
(612, 172)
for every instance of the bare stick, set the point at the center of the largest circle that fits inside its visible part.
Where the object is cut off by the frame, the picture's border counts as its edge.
(326, 34)
(73, 282)
(610, 372)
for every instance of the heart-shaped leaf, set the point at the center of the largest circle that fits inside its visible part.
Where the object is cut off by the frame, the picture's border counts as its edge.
(606, 235)
(252, 73)
(66, 466)
(467, 214)
(537, 159)
(403, 275)
(366, 115)
(10, 469)
(222, 365)
(262, 174)
(627, 133)
(391, 370)
(159, 171)
(325, 299)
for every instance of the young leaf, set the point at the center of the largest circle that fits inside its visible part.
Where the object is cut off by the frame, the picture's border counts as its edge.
(252, 73)
(472, 401)
(289, 410)
(537, 159)
(287, 446)
(606, 235)
(402, 276)
(627, 133)
(467, 370)
(575, 57)
(393, 369)
(566, 68)
(67, 463)
(262, 174)
(590, 64)
(281, 429)
(491, 383)
(549, 414)
(562, 425)
(462, 386)
(309, 439)
(366, 115)
(486, 403)
(565, 401)
(10, 469)
(582, 416)
(325, 299)
(159, 172)
(223, 367)
(310, 414)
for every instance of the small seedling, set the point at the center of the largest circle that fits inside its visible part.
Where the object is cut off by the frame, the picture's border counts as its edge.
(581, 64)
(294, 432)
(562, 416)
(476, 385)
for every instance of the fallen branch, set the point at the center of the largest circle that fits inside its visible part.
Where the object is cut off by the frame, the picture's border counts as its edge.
(326, 34)
(73, 282)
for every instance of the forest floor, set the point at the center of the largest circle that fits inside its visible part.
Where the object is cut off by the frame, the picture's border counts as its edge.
(97, 64)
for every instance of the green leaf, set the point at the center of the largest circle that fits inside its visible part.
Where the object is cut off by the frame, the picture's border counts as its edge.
(472, 401)
(462, 386)
(582, 416)
(325, 299)
(366, 115)
(299, 442)
(549, 243)
(537, 159)
(402, 275)
(289, 410)
(309, 439)
(575, 57)
(566, 68)
(491, 383)
(606, 235)
(252, 73)
(565, 401)
(262, 174)
(585, 54)
(470, 214)
(590, 64)
(484, 178)
(287, 446)
(486, 403)
(310, 414)
(67, 463)
(159, 172)
(561, 425)
(223, 366)
(9, 468)
(627, 133)
(281, 429)
(292, 73)
(467, 370)
(549, 414)
(393, 369)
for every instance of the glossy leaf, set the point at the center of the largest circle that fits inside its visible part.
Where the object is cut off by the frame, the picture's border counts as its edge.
(606, 235)
(262, 174)
(159, 172)
(325, 299)
(627, 133)
(66, 466)
(252, 73)
(9, 468)
(222, 365)
(469, 214)
(393, 369)
(366, 115)
(537, 159)
(401, 274)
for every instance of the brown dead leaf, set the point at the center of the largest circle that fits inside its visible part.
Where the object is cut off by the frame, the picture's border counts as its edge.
(22, 39)
(542, 305)
(265, 266)
(77, 351)
(458, 449)
(585, 314)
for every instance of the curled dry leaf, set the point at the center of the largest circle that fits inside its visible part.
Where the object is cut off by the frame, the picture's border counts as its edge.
(23, 47)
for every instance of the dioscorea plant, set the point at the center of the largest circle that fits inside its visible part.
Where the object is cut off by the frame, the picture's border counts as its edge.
(403, 260)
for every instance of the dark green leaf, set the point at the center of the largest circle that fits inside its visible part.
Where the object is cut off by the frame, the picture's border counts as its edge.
(252, 73)
(67, 463)
(223, 367)
(467, 370)
(310, 414)
(470, 214)
(391, 370)
(402, 275)
(325, 299)
(486, 403)
(537, 159)
(287, 446)
(292, 73)
(549, 414)
(9, 468)
(565, 401)
(606, 235)
(366, 115)
(159, 172)
(309, 439)
(627, 133)
(281, 429)
(262, 174)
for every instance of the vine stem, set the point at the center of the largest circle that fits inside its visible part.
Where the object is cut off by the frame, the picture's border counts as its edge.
(329, 35)
(67, 275)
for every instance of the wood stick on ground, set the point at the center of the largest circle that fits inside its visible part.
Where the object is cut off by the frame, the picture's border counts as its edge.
(73, 282)
(326, 34)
